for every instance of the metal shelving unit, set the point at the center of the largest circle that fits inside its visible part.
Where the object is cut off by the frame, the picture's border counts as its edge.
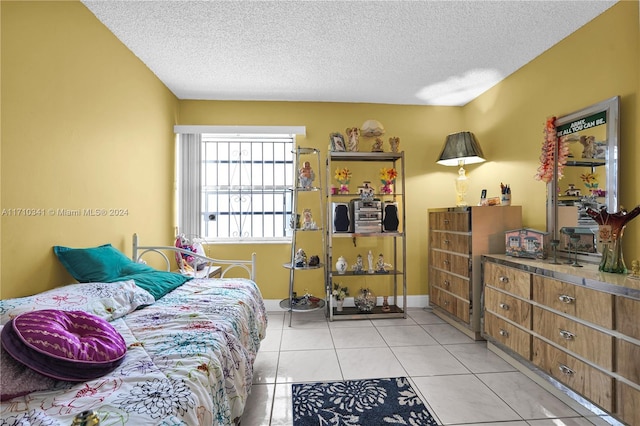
(312, 196)
(398, 237)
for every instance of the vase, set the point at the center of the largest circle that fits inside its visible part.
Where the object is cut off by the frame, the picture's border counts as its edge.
(365, 301)
(339, 304)
(612, 258)
(341, 265)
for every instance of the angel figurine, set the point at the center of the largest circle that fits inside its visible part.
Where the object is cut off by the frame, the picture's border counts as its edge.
(394, 142)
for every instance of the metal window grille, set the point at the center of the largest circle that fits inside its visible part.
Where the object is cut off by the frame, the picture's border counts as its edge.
(245, 186)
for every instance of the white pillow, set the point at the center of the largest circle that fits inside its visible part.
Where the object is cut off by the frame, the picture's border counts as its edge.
(106, 300)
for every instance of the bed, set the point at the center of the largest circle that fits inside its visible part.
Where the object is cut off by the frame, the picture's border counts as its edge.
(186, 352)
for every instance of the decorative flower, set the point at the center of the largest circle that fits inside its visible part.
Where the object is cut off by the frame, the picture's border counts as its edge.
(343, 176)
(388, 176)
(339, 292)
(590, 180)
(550, 145)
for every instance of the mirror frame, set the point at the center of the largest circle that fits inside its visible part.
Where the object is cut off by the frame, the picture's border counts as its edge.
(611, 107)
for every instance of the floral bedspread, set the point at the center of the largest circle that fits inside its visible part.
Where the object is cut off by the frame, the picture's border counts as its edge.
(189, 362)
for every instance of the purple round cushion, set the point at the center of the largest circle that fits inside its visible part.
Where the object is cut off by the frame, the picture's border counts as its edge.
(66, 345)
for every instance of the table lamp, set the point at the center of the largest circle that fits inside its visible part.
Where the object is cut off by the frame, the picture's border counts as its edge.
(459, 149)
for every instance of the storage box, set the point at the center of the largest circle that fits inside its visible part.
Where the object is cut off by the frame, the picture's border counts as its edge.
(526, 242)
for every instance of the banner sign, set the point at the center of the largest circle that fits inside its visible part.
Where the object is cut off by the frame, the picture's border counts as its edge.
(584, 123)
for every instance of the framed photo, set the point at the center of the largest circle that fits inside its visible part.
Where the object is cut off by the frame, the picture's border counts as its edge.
(337, 142)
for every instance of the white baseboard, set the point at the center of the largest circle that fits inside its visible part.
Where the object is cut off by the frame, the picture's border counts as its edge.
(418, 301)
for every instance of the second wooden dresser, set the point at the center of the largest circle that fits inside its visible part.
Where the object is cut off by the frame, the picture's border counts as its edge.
(458, 237)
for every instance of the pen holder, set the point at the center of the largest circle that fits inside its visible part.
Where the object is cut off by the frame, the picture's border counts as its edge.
(505, 200)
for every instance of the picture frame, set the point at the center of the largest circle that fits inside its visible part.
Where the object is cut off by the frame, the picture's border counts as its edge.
(337, 142)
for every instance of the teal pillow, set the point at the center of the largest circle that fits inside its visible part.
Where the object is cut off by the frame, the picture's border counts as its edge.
(95, 264)
(107, 264)
(158, 283)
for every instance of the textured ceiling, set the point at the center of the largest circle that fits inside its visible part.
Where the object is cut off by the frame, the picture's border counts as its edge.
(393, 52)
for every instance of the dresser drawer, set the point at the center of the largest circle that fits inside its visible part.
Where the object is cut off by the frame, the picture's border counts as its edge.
(627, 314)
(582, 378)
(590, 305)
(628, 403)
(628, 360)
(458, 243)
(450, 221)
(450, 303)
(508, 279)
(587, 342)
(451, 283)
(507, 334)
(450, 262)
(516, 310)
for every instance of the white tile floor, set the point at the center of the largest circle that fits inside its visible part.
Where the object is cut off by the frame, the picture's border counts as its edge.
(461, 381)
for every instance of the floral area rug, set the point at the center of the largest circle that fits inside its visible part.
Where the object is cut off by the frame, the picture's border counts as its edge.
(359, 402)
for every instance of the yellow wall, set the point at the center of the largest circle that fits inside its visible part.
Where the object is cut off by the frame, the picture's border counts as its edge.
(86, 125)
(422, 131)
(595, 63)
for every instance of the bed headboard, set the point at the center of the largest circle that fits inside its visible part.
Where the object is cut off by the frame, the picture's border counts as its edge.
(248, 265)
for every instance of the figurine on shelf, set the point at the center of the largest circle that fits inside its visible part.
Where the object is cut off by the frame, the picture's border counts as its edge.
(358, 267)
(307, 220)
(353, 133)
(377, 145)
(370, 260)
(300, 259)
(366, 191)
(395, 143)
(314, 260)
(589, 146)
(306, 175)
(385, 304)
(381, 267)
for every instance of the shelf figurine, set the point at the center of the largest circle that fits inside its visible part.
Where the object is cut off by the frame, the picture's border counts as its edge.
(358, 267)
(394, 142)
(353, 133)
(381, 267)
(300, 259)
(307, 220)
(306, 175)
(377, 145)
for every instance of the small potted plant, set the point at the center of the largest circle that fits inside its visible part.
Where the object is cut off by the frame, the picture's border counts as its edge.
(339, 293)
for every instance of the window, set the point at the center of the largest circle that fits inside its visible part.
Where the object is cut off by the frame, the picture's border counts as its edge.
(235, 186)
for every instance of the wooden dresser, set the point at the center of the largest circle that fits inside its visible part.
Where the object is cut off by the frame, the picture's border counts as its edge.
(458, 236)
(577, 328)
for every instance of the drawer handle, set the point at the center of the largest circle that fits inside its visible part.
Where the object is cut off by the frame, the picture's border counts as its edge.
(566, 299)
(503, 332)
(446, 303)
(567, 335)
(566, 370)
(503, 279)
(504, 306)
(446, 241)
(446, 283)
(446, 262)
(446, 221)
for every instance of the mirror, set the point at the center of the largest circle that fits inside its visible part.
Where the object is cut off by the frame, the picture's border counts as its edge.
(584, 175)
